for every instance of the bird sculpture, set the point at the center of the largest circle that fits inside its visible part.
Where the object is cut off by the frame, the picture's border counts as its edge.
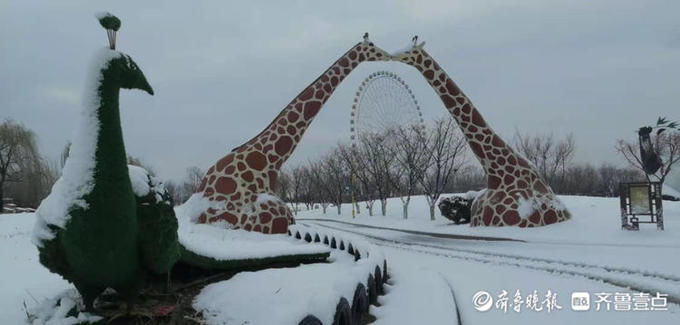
(97, 229)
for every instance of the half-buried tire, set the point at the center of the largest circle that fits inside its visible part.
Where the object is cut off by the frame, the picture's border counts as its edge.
(310, 320)
(378, 280)
(372, 290)
(359, 303)
(385, 275)
(343, 313)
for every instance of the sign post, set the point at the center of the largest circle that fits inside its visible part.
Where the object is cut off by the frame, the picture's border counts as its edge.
(641, 199)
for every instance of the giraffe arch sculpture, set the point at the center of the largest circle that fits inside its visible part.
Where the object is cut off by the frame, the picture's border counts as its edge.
(241, 184)
(516, 195)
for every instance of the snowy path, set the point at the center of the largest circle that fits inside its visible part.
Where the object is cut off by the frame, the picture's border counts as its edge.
(619, 276)
(521, 262)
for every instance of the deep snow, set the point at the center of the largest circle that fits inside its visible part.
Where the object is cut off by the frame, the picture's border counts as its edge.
(593, 236)
(589, 244)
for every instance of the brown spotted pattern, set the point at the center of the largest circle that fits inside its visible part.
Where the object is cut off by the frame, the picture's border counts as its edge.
(516, 195)
(245, 179)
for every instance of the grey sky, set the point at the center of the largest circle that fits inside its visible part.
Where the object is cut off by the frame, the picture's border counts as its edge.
(222, 70)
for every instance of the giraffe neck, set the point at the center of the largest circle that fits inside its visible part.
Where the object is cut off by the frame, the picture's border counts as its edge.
(489, 148)
(286, 130)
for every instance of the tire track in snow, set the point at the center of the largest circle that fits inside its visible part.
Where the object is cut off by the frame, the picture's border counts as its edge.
(620, 277)
(661, 276)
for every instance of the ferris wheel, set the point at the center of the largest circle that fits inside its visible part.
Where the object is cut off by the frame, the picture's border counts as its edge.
(383, 102)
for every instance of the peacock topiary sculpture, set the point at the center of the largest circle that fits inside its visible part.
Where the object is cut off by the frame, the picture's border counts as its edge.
(95, 229)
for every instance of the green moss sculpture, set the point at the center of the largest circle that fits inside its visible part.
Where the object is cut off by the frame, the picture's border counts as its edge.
(92, 229)
(159, 247)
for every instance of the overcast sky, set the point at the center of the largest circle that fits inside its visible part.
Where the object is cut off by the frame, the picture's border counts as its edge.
(222, 70)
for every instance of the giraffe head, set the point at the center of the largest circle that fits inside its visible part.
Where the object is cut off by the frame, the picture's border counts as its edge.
(367, 51)
(410, 54)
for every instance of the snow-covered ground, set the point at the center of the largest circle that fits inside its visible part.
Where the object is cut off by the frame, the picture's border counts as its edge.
(24, 279)
(590, 253)
(595, 220)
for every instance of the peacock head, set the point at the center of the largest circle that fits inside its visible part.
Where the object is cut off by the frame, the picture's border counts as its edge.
(122, 68)
(128, 74)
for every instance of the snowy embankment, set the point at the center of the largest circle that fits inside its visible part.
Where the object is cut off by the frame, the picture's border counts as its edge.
(290, 294)
(416, 295)
(595, 220)
(25, 281)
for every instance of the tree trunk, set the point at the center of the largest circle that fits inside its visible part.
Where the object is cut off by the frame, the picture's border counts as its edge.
(339, 205)
(356, 205)
(2, 198)
(405, 211)
(383, 206)
(369, 205)
(431, 210)
(324, 206)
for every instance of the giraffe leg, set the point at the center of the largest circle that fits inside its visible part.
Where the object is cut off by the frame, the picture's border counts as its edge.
(523, 209)
(270, 216)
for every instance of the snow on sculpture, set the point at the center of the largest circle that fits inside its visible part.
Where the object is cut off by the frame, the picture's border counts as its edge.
(516, 194)
(242, 183)
(92, 229)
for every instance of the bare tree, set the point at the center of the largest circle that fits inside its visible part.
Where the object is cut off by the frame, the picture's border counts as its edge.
(376, 156)
(358, 161)
(336, 176)
(551, 157)
(469, 177)
(33, 182)
(317, 190)
(410, 153)
(359, 178)
(446, 155)
(297, 180)
(18, 155)
(187, 186)
(667, 145)
(610, 177)
(582, 180)
(283, 185)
